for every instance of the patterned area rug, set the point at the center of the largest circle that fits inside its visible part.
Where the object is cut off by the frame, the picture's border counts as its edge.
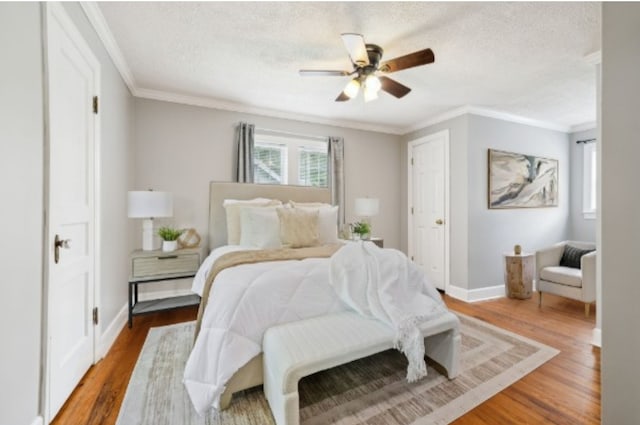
(368, 391)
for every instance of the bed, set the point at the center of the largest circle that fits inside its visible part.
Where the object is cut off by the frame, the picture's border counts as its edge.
(249, 298)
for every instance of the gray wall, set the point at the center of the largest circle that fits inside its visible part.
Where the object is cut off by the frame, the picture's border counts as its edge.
(21, 147)
(493, 232)
(458, 215)
(581, 229)
(480, 236)
(182, 148)
(117, 115)
(620, 211)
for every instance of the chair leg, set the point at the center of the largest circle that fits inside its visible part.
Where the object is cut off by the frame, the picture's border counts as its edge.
(586, 309)
(539, 299)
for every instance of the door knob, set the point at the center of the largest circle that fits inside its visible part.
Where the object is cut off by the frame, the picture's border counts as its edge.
(439, 221)
(57, 244)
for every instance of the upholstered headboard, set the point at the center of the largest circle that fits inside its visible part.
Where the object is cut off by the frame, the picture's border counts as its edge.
(219, 191)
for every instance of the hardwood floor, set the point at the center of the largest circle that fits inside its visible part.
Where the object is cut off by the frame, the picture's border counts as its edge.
(565, 390)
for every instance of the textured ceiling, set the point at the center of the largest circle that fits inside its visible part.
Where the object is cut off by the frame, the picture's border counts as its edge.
(521, 58)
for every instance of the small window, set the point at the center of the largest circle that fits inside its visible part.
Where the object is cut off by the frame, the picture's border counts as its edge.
(284, 159)
(590, 181)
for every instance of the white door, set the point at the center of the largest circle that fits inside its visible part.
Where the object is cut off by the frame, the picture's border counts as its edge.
(428, 206)
(72, 85)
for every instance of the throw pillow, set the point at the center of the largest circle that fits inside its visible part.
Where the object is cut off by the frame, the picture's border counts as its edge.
(572, 255)
(298, 228)
(259, 228)
(327, 223)
(233, 208)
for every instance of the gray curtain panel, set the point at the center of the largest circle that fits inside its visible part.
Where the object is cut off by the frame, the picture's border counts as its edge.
(244, 153)
(336, 175)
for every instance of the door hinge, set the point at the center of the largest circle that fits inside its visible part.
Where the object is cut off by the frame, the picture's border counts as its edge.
(95, 316)
(411, 210)
(95, 104)
(412, 258)
(411, 161)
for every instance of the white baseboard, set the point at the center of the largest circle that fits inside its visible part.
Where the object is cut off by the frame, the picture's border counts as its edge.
(38, 421)
(473, 295)
(111, 332)
(596, 337)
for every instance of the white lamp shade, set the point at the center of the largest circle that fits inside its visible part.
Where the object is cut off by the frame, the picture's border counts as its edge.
(367, 207)
(149, 203)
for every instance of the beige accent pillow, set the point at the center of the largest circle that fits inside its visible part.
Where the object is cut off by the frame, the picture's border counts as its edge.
(298, 228)
(233, 207)
(327, 223)
(309, 204)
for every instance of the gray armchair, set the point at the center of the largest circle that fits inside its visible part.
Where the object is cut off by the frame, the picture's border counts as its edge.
(577, 284)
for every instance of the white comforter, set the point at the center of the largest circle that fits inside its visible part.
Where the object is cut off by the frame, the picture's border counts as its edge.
(248, 299)
(243, 303)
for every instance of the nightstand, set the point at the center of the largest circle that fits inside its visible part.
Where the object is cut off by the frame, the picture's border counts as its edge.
(378, 241)
(149, 267)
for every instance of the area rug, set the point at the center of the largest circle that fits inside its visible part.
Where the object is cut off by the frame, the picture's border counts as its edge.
(368, 391)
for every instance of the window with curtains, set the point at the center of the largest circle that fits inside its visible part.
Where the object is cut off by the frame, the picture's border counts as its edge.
(284, 159)
(589, 181)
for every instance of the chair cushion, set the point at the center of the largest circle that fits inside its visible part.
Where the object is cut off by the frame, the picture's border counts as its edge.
(572, 255)
(569, 276)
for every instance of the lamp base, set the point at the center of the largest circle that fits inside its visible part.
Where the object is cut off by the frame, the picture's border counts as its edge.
(147, 234)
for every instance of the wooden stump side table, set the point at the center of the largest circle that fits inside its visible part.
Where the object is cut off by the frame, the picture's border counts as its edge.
(518, 275)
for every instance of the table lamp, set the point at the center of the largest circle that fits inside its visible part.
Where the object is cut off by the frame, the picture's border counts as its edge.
(149, 204)
(367, 208)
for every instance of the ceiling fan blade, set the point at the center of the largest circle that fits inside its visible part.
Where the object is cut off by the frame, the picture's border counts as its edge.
(422, 57)
(356, 48)
(393, 87)
(342, 97)
(322, 73)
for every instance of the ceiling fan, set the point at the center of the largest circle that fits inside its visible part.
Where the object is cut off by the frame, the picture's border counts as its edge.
(366, 63)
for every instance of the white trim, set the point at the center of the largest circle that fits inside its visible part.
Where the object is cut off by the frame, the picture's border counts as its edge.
(209, 102)
(594, 58)
(591, 125)
(96, 18)
(447, 179)
(475, 295)
(588, 151)
(589, 215)
(39, 420)
(596, 337)
(438, 118)
(110, 334)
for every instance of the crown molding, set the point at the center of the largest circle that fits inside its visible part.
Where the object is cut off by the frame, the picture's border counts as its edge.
(486, 112)
(591, 125)
(208, 102)
(96, 18)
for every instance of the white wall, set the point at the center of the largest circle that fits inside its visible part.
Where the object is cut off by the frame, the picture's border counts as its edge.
(117, 115)
(21, 147)
(181, 148)
(581, 229)
(620, 212)
(495, 231)
(458, 215)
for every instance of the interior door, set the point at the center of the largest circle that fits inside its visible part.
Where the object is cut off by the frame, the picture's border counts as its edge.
(428, 239)
(71, 86)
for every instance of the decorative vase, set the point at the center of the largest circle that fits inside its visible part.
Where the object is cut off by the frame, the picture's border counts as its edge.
(168, 246)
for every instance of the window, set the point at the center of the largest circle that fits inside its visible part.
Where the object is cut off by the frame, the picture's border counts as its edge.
(283, 159)
(589, 180)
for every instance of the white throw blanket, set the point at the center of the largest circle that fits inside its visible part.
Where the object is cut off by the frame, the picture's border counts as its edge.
(384, 284)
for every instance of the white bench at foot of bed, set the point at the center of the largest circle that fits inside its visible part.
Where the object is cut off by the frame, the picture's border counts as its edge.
(298, 349)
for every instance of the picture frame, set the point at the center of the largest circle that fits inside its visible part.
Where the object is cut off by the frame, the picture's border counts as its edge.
(521, 181)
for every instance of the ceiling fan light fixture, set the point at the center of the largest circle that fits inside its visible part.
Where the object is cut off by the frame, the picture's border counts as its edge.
(352, 88)
(372, 83)
(370, 94)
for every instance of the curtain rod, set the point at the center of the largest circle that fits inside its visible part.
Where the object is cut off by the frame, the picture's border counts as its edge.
(289, 133)
(585, 141)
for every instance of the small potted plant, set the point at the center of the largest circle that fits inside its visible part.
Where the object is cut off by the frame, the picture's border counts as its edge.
(169, 237)
(361, 230)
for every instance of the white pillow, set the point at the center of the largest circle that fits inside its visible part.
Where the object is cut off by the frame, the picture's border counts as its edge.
(327, 222)
(233, 207)
(259, 228)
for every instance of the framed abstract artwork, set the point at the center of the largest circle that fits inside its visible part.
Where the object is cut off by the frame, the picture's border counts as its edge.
(522, 181)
